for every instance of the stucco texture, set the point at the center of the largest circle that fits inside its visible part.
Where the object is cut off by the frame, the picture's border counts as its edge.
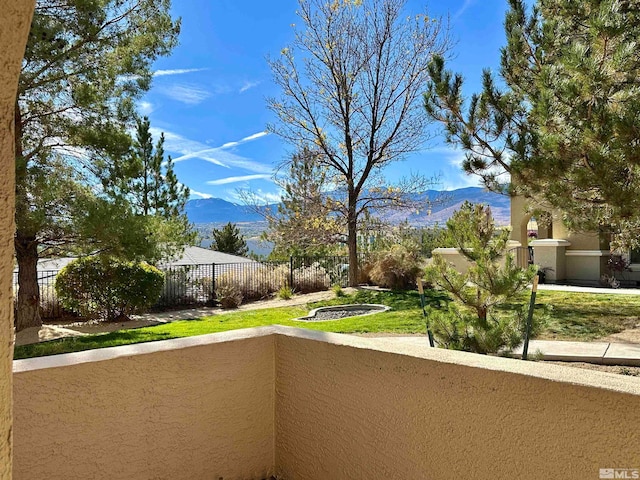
(204, 412)
(316, 406)
(368, 414)
(15, 20)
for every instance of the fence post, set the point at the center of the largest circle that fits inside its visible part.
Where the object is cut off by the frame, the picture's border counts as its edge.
(291, 272)
(527, 332)
(213, 282)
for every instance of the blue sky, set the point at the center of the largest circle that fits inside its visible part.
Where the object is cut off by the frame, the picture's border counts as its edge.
(208, 97)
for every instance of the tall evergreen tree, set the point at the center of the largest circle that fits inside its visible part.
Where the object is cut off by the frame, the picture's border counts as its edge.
(229, 240)
(146, 178)
(565, 125)
(84, 65)
(148, 182)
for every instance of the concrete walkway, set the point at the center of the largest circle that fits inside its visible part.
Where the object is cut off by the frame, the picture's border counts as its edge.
(590, 352)
(601, 353)
(602, 290)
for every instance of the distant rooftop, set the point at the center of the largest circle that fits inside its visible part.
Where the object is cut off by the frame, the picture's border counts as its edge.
(190, 256)
(199, 255)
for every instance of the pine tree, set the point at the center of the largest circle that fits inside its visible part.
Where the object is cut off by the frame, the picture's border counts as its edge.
(492, 278)
(85, 63)
(565, 125)
(146, 180)
(229, 240)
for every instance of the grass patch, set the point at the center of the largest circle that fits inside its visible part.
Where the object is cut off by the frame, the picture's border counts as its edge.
(404, 317)
(588, 316)
(574, 316)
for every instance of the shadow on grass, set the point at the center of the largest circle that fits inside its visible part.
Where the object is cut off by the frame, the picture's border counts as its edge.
(79, 344)
(398, 300)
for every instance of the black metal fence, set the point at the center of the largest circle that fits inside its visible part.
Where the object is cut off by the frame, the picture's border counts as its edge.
(193, 285)
(196, 284)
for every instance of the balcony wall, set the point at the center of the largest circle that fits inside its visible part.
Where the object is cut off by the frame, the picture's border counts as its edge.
(311, 405)
(195, 408)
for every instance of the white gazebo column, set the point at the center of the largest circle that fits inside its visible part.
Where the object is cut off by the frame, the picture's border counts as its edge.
(549, 254)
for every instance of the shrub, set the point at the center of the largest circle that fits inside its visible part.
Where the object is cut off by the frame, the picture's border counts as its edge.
(364, 272)
(229, 295)
(108, 287)
(285, 293)
(204, 289)
(397, 267)
(255, 281)
(49, 303)
(312, 278)
(337, 290)
(617, 265)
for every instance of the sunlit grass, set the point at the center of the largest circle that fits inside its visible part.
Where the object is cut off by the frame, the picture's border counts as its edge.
(574, 316)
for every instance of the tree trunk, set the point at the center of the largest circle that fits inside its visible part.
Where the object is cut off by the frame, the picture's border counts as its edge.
(352, 243)
(28, 305)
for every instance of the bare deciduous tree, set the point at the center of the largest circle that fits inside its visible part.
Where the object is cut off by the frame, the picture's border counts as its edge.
(355, 95)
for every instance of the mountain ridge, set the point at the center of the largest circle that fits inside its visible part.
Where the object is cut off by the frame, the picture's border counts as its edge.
(441, 205)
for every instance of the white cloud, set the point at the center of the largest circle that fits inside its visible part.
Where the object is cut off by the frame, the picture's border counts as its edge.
(248, 85)
(242, 178)
(185, 93)
(145, 108)
(255, 136)
(454, 176)
(176, 71)
(255, 196)
(462, 180)
(217, 155)
(199, 194)
(463, 8)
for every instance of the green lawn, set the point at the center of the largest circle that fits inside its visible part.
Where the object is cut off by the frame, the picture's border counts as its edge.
(584, 317)
(575, 316)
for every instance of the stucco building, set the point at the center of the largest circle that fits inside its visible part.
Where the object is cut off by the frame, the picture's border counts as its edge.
(571, 257)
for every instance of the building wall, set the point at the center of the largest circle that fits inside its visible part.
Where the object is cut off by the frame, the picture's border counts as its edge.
(459, 262)
(15, 20)
(190, 412)
(315, 406)
(584, 261)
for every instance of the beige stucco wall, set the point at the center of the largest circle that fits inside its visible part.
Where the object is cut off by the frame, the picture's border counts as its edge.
(459, 262)
(15, 19)
(199, 412)
(453, 257)
(358, 413)
(584, 241)
(312, 405)
(581, 267)
(519, 220)
(586, 265)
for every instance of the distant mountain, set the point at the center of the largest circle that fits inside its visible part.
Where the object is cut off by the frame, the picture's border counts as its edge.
(438, 206)
(216, 210)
